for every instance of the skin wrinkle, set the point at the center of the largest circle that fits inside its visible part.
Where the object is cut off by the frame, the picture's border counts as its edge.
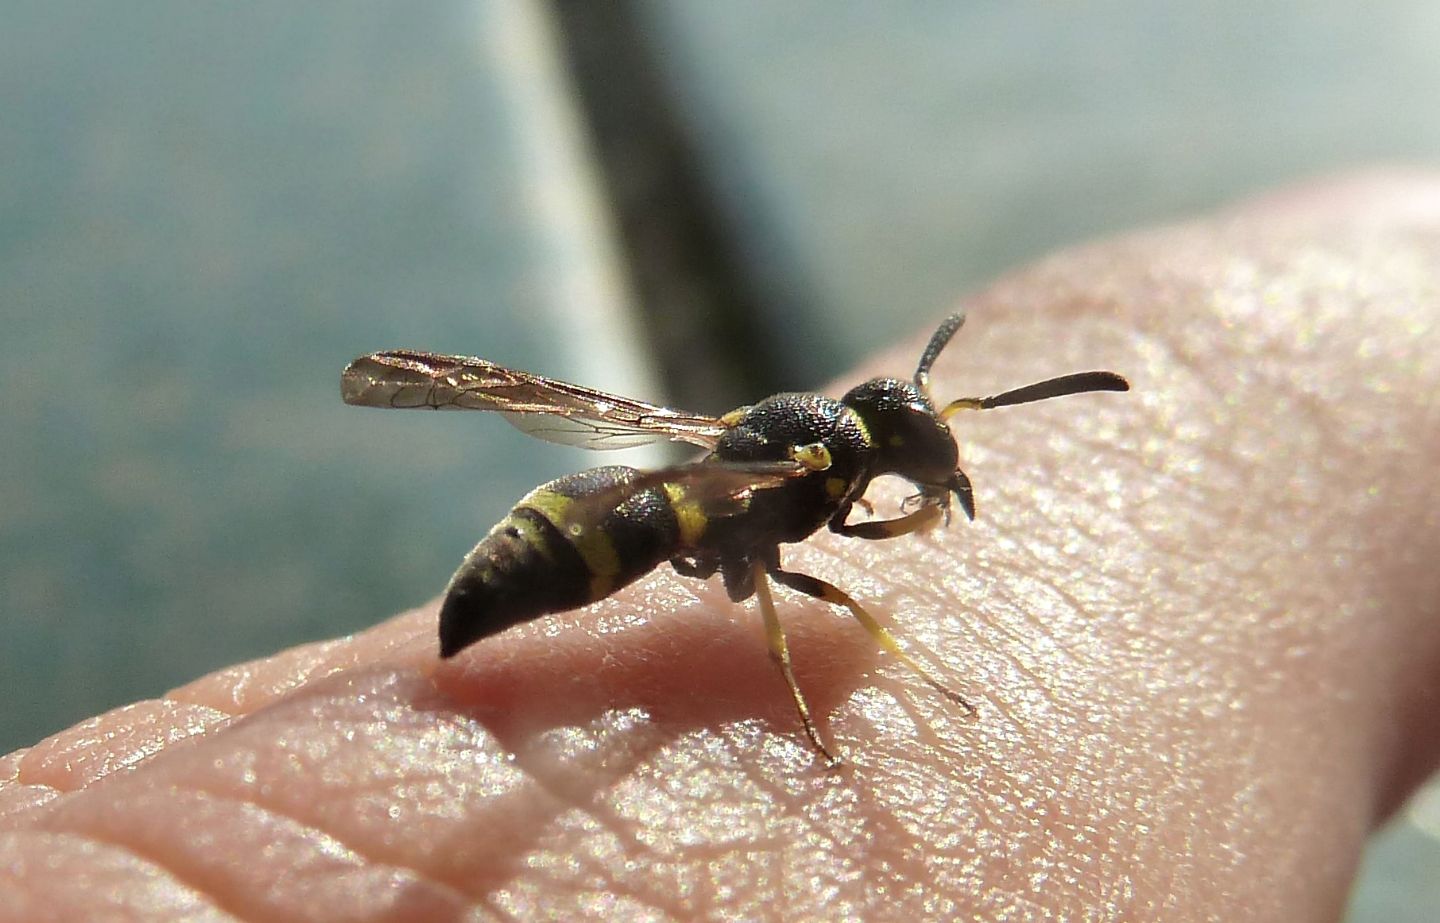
(53, 821)
(1016, 643)
(475, 885)
(592, 800)
(67, 758)
(294, 669)
(497, 720)
(469, 883)
(900, 808)
(920, 724)
(498, 913)
(231, 689)
(613, 871)
(17, 797)
(10, 765)
(16, 801)
(89, 848)
(181, 697)
(582, 871)
(1023, 642)
(132, 850)
(924, 720)
(1025, 613)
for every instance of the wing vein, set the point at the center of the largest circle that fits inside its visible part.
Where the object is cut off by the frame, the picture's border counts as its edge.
(546, 408)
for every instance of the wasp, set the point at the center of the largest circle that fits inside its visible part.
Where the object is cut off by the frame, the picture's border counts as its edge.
(773, 473)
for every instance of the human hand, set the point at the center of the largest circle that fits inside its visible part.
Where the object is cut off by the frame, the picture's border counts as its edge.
(1198, 621)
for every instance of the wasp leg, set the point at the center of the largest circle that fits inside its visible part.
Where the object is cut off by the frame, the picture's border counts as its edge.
(739, 579)
(700, 568)
(828, 592)
(781, 652)
(924, 518)
(844, 512)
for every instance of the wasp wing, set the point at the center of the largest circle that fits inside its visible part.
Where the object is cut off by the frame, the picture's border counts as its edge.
(549, 409)
(717, 488)
(587, 432)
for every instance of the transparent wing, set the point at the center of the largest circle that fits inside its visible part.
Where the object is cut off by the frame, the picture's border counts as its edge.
(588, 432)
(543, 407)
(719, 488)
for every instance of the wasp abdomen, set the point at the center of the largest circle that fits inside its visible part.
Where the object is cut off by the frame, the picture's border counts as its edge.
(570, 542)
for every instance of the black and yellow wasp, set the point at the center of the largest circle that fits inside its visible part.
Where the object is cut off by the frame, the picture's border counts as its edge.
(774, 473)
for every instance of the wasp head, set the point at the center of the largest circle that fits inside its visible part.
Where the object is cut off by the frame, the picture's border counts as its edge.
(909, 439)
(909, 436)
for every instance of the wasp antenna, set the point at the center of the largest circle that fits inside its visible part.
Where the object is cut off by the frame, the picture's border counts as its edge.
(1078, 383)
(938, 340)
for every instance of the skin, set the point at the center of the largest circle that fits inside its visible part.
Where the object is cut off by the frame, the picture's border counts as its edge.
(1198, 620)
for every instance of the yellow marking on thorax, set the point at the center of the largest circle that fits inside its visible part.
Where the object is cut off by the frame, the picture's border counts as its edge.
(835, 488)
(735, 416)
(688, 514)
(861, 425)
(590, 541)
(814, 456)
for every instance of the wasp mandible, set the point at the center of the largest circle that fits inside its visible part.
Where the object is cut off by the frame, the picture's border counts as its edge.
(774, 473)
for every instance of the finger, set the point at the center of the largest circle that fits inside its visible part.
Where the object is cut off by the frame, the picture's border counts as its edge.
(1196, 620)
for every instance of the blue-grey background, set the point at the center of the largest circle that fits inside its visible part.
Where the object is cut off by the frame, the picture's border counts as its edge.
(206, 209)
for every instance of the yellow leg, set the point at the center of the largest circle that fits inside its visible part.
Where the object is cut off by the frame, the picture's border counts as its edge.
(924, 518)
(828, 592)
(781, 651)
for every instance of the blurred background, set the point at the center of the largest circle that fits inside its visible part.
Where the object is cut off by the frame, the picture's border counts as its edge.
(207, 209)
